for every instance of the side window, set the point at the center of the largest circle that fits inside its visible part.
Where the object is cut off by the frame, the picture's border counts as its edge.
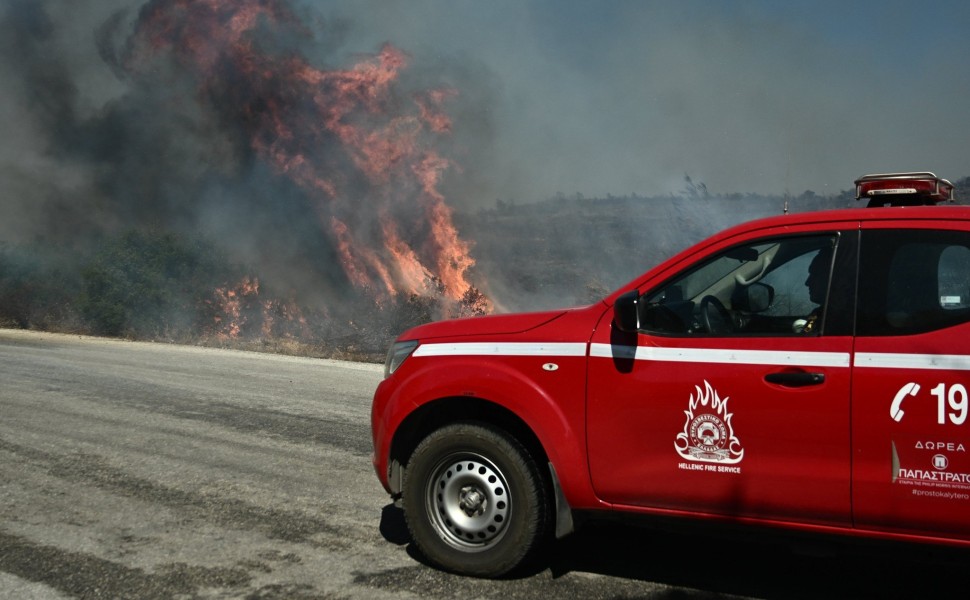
(913, 281)
(774, 286)
(791, 291)
(954, 278)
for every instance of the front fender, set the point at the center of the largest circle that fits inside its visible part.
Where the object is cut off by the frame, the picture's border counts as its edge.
(549, 400)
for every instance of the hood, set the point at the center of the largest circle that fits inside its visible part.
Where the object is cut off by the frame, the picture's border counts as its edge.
(489, 325)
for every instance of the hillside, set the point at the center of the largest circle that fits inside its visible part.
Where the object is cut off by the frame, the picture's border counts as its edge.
(563, 251)
(568, 251)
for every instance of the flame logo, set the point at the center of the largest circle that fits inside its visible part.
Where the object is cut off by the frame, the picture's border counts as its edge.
(708, 434)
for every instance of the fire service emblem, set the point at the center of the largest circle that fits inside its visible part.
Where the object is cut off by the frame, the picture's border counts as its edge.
(708, 435)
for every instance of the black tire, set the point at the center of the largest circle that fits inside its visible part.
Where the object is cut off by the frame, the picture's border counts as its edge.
(474, 501)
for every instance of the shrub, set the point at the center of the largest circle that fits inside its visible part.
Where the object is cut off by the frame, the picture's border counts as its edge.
(150, 284)
(38, 287)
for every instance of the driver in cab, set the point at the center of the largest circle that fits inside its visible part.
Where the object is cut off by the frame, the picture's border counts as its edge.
(816, 283)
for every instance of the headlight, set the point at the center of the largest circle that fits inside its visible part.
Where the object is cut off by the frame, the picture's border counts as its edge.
(397, 354)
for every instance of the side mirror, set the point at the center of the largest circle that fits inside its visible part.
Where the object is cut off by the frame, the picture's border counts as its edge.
(625, 311)
(753, 298)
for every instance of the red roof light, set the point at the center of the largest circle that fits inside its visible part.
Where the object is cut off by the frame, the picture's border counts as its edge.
(903, 189)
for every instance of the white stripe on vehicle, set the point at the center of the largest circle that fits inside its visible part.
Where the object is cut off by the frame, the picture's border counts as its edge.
(954, 362)
(722, 356)
(502, 349)
(888, 360)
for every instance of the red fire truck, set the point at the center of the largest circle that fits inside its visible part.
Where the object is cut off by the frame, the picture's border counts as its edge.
(805, 371)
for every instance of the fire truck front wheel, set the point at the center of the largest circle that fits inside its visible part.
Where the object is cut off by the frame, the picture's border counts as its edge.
(474, 500)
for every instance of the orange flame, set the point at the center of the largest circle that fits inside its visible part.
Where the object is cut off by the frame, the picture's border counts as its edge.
(230, 318)
(344, 136)
(416, 278)
(238, 311)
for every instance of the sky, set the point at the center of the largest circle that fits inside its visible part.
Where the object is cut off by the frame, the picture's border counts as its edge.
(627, 97)
(624, 97)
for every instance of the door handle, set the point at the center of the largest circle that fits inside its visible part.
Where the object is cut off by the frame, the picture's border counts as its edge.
(795, 379)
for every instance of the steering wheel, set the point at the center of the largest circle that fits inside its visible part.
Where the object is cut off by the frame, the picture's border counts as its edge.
(714, 316)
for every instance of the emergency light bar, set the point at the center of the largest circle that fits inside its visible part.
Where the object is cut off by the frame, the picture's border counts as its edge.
(903, 189)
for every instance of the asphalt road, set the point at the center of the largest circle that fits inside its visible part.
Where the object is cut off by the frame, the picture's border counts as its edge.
(138, 470)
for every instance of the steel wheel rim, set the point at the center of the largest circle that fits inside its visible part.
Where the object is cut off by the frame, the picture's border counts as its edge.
(468, 499)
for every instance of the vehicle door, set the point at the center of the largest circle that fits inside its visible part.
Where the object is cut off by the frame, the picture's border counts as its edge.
(911, 380)
(732, 396)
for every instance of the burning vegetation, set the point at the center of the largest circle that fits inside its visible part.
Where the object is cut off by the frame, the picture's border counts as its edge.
(325, 183)
(242, 179)
(347, 137)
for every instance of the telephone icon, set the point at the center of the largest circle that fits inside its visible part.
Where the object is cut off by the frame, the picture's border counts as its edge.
(896, 410)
